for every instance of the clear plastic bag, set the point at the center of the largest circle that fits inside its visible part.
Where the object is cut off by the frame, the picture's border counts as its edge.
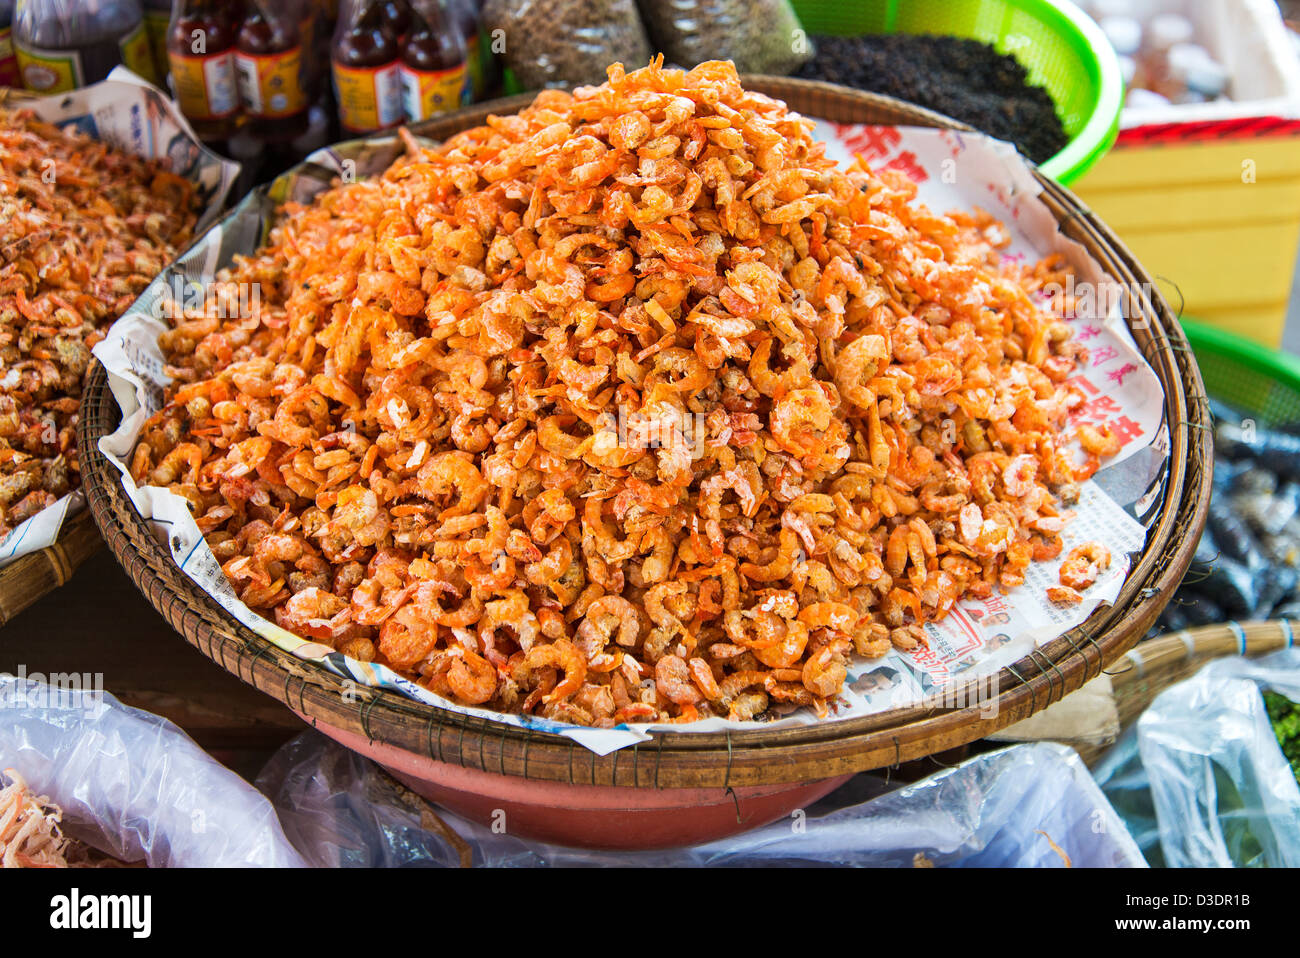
(1003, 808)
(132, 784)
(1201, 779)
(759, 36)
(565, 43)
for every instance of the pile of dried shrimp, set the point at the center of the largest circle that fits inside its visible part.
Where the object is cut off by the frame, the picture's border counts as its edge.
(30, 833)
(631, 407)
(83, 229)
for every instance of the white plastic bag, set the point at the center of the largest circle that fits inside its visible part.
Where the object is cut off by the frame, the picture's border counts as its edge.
(132, 784)
(1003, 808)
(1203, 773)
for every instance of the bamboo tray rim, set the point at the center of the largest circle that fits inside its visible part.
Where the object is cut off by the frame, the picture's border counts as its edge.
(29, 577)
(761, 755)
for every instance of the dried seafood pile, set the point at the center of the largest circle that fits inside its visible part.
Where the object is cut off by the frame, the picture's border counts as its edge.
(83, 229)
(631, 407)
(30, 833)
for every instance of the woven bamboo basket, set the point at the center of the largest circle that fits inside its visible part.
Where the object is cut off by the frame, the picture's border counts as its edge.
(1144, 672)
(25, 580)
(425, 744)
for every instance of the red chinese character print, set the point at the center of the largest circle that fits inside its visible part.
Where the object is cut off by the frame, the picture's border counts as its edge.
(1126, 429)
(1104, 355)
(1117, 376)
(1096, 411)
(907, 162)
(1083, 384)
(870, 142)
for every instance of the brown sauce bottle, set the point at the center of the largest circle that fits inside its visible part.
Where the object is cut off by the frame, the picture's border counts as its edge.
(268, 66)
(434, 68)
(480, 61)
(63, 46)
(366, 64)
(9, 74)
(396, 16)
(201, 54)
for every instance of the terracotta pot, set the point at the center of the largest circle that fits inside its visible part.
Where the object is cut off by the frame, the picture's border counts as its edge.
(588, 816)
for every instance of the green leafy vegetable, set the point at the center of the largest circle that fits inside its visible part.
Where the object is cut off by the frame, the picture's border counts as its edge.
(1285, 718)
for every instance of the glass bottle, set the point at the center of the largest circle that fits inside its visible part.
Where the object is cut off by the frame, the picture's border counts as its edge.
(201, 53)
(284, 122)
(157, 17)
(479, 59)
(310, 15)
(366, 65)
(63, 45)
(268, 64)
(9, 75)
(396, 17)
(433, 62)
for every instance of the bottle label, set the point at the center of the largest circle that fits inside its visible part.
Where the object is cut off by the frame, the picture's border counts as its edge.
(427, 93)
(270, 85)
(9, 75)
(50, 71)
(136, 53)
(205, 86)
(370, 98)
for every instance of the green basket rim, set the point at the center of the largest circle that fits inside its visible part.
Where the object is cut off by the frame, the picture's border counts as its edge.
(1282, 367)
(1098, 135)
(1081, 35)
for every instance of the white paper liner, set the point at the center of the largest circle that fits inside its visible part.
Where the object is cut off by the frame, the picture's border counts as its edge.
(954, 171)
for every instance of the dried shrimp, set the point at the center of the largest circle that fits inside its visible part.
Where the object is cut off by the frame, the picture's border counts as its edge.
(630, 407)
(1083, 564)
(30, 832)
(83, 229)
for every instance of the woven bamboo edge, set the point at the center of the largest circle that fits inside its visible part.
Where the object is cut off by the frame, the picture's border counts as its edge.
(761, 756)
(1142, 673)
(25, 580)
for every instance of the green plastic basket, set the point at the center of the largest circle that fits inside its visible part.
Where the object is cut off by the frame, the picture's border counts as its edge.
(1064, 51)
(1251, 378)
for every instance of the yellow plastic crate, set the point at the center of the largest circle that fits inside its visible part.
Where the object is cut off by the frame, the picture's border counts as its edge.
(1218, 220)
(1208, 195)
